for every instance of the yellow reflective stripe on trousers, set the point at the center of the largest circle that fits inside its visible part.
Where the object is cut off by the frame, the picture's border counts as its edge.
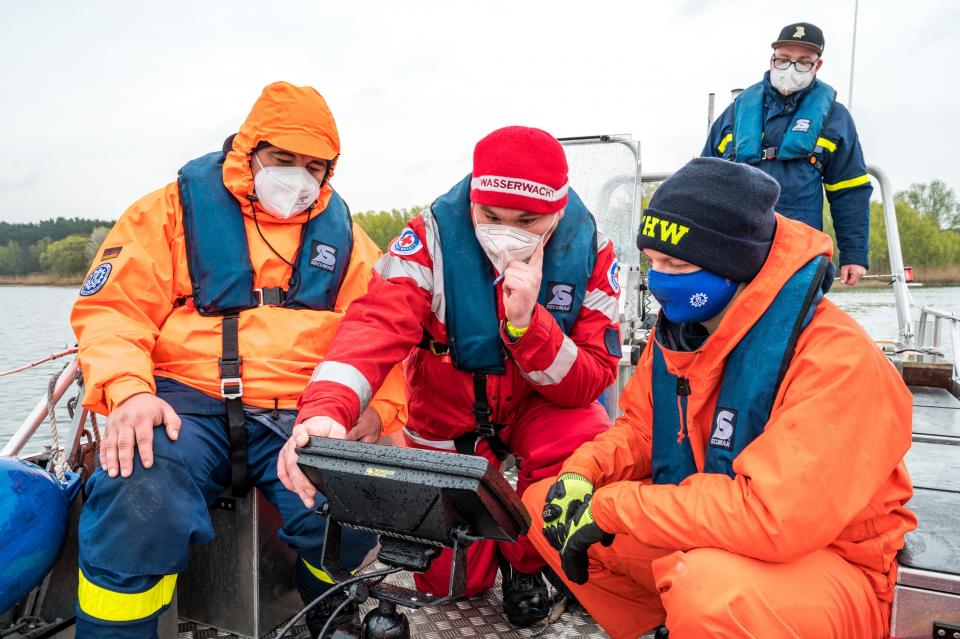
(724, 142)
(827, 144)
(319, 574)
(108, 605)
(846, 184)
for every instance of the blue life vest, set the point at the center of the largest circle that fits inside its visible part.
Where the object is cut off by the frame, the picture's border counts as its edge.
(751, 377)
(473, 328)
(799, 141)
(219, 260)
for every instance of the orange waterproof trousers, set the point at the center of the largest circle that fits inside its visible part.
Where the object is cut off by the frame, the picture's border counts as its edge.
(708, 592)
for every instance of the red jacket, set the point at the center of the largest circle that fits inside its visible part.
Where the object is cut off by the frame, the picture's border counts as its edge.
(406, 298)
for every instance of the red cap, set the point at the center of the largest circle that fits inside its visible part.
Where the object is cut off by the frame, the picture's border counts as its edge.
(518, 167)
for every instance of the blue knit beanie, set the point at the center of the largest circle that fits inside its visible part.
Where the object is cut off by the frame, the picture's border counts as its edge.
(716, 214)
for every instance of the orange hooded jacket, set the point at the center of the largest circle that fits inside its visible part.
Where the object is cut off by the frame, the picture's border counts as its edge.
(131, 329)
(827, 472)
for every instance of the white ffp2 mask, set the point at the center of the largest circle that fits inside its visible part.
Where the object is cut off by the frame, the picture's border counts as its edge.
(504, 244)
(789, 80)
(284, 191)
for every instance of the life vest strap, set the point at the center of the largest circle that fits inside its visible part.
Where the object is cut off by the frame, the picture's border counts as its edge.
(231, 390)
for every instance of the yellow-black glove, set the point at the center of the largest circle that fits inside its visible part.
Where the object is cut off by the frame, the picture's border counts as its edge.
(581, 533)
(562, 499)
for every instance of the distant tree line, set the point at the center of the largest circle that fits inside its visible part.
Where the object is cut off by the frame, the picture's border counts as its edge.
(63, 245)
(384, 226)
(928, 216)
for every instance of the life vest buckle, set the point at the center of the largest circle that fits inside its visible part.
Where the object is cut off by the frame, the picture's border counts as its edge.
(270, 296)
(231, 388)
(769, 153)
(438, 348)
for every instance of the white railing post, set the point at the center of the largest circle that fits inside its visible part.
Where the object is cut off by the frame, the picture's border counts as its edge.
(901, 295)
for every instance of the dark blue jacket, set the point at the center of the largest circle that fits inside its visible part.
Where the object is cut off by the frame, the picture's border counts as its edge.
(842, 172)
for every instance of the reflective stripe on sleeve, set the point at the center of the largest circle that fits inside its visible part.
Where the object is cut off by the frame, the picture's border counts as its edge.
(438, 303)
(347, 375)
(600, 301)
(848, 184)
(827, 144)
(440, 444)
(100, 603)
(557, 371)
(724, 142)
(392, 267)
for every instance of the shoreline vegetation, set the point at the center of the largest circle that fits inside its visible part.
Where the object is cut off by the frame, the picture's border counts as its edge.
(932, 277)
(58, 252)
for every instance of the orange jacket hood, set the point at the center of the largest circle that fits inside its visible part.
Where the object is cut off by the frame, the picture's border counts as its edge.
(291, 118)
(794, 244)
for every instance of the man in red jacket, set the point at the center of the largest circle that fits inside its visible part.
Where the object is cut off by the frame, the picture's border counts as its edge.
(513, 299)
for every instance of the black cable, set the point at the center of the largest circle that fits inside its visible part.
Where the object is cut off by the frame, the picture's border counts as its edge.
(333, 615)
(336, 588)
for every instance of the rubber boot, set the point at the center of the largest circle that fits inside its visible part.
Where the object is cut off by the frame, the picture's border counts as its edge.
(385, 623)
(526, 599)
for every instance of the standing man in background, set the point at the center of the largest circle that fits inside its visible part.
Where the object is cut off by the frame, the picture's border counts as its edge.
(791, 126)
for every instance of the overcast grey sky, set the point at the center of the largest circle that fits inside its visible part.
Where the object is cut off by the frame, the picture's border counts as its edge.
(102, 102)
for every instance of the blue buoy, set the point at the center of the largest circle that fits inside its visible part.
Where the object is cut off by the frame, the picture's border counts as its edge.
(33, 525)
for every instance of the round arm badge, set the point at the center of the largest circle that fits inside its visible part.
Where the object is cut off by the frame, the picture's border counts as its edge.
(96, 279)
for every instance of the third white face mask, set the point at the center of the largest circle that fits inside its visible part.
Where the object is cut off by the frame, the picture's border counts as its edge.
(284, 191)
(789, 80)
(504, 244)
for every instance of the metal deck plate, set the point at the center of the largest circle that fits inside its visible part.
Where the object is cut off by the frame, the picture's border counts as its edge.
(935, 546)
(942, 422)
(480, 618)
(935, 466)
(933, 397)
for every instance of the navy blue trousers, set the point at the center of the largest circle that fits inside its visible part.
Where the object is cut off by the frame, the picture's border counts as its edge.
(135, 532)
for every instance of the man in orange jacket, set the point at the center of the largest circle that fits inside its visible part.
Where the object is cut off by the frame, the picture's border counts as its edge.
(205, 312)
(755, 485)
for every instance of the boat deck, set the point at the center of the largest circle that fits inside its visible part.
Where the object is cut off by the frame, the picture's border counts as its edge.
(934, 464)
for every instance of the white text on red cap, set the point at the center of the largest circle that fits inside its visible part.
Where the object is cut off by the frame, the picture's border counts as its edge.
(518, 186)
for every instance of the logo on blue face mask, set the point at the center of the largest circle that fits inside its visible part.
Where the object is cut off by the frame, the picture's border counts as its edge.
(691, 297)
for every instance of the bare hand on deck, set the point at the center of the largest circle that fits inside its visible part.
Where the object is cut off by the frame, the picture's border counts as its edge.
(131, 424)
(521, 286)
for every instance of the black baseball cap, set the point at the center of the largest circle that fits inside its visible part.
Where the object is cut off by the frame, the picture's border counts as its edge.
(802, 33)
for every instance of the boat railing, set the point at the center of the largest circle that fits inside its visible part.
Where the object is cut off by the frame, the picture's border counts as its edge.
(898, 276)
(932, 319)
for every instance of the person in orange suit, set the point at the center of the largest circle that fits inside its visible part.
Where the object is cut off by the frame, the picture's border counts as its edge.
(755, 484)
(204, 312)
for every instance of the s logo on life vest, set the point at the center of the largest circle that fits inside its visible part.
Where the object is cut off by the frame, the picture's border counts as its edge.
(96, 279)
(323, 256)
(802, 125)
(613, 276)
(407, 244)
(561, 296)
(725, 425)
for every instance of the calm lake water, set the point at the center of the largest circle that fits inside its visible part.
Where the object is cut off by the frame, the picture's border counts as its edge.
(35, 321)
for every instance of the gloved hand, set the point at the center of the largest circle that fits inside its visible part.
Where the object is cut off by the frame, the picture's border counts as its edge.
(581, 533)
(562, 499)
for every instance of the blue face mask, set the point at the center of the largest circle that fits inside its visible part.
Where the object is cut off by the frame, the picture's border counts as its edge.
(691, 297)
